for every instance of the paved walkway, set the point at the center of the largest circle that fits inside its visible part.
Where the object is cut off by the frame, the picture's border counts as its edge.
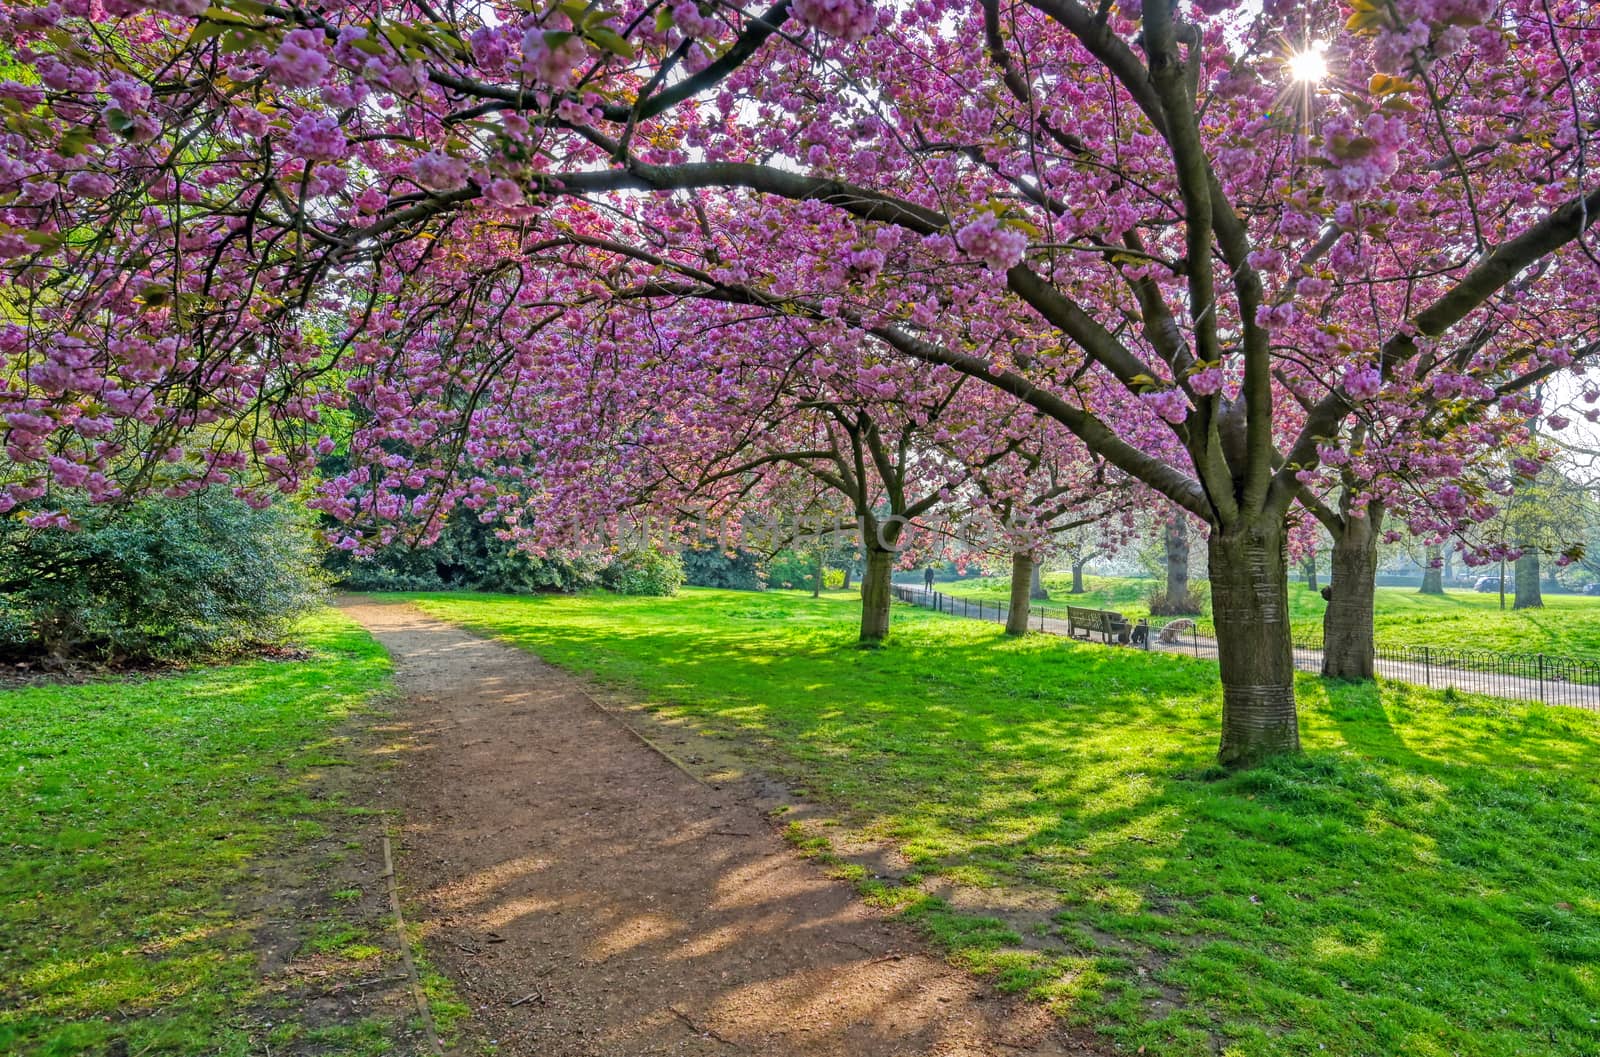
(1554, 690)
(590, 899)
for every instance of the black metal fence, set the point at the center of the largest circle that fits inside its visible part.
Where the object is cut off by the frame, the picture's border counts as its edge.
(1548, 678)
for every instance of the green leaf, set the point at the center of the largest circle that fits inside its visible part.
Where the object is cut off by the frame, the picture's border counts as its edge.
(244, 7)
(610, 40)
(118, 122)
(239, 40)
(206, 30)
(75, 140)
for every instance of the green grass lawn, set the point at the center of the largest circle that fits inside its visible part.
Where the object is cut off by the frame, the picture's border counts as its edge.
(1422, 881)
(1568, 624)
(132, 812)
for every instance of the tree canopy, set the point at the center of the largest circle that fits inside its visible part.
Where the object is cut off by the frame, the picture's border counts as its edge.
(1251, 256)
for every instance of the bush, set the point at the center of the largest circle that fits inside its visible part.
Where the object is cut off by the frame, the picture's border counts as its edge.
(710, 567)
(833, 579)
(469, 556)
(645, 572)
(1197, 603)
(791, 569)
(155, 580)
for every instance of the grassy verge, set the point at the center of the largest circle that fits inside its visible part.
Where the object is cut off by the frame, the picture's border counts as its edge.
(138, 816)
(1420, 882)
(1568, 624)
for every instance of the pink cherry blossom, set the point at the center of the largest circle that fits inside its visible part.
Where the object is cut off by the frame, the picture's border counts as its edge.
(88, 184)
(847, 20)
(438, 171)
(301, 60)
(1362, 381)
(988, 240)
(504, 193)
(317, 137)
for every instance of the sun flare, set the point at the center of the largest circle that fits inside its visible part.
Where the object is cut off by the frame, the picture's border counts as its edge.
(1309, 66)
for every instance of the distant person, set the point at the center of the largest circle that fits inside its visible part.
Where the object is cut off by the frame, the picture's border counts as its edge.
(927, 579)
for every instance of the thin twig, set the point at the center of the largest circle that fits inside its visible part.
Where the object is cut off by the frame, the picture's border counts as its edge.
(698, 1030)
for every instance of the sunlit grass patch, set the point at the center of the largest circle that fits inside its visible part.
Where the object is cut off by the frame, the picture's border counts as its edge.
(131, 813)
(1421, 880)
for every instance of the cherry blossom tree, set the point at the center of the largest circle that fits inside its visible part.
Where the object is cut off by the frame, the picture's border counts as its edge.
(1031, 482)
(1118, 215)
(675, 418)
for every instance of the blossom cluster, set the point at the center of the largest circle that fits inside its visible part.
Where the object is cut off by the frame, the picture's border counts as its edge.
(847, 20)
(989, 240)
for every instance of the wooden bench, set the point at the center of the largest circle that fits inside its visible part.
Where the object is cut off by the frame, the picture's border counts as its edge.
(1110, 626)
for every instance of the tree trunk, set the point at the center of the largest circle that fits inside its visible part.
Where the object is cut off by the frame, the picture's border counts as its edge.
(1250, 604)
(875, 596)
(1023, 569)
(817, 573)
(1347, 640)
(1526, 572)
(1176, 540)
(849, 567)
(1432, 572)
(1308, 568)
(1077, 577)
(1036, 589)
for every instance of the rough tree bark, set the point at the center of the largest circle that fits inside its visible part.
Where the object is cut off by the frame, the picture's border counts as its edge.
(1432, 571)
(1308, 567)
(1023, 568)
(1347, 636)
(1077, 576)
(1250, 604)
(875, 594)
(1036, 590)
(1526, 581)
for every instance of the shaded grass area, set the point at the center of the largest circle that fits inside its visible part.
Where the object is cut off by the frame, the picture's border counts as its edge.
(1421, 881)
(1567, 625)
(133, 812)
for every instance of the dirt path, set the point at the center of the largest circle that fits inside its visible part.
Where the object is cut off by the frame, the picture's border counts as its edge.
(589, 898)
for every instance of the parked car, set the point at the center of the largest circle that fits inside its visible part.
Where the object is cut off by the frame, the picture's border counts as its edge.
(1487, 584)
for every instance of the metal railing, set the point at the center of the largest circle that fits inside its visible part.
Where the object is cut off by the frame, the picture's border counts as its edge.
(1549, 678)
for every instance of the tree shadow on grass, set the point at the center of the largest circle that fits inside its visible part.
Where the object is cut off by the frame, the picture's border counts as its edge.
(1416, 879)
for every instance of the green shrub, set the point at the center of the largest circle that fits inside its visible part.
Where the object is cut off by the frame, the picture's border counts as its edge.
(159, 579)
(791, 569)
(468, 555)
(644, 572)
(711, 567)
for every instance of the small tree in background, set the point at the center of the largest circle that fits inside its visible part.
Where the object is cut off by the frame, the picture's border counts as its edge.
(649, 571)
